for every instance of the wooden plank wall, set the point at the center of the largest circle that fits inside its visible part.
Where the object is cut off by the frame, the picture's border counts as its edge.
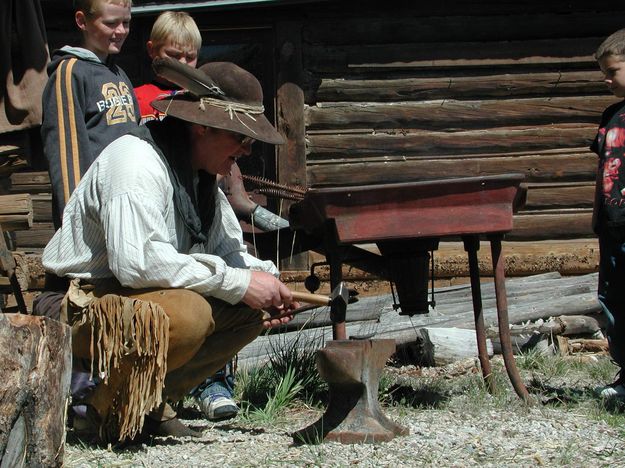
(463, 89)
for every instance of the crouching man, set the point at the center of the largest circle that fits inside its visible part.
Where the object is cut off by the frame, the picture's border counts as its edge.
(161, 290)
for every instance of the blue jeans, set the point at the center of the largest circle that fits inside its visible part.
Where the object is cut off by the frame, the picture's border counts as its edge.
(611, 293)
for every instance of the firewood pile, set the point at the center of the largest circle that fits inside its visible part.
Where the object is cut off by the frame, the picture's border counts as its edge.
(550, 312)
(25, 210)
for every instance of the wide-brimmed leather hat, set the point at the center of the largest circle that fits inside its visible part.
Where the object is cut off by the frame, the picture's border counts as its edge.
(219, 95)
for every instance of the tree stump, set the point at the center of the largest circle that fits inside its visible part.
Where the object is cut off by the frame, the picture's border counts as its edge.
(35, 365)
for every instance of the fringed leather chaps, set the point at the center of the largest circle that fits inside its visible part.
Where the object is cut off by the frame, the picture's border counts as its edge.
(128, 347)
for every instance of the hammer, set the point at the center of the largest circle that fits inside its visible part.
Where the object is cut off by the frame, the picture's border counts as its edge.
(339, 298)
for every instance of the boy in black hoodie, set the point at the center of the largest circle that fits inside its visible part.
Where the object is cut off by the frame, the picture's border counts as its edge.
(88, 101)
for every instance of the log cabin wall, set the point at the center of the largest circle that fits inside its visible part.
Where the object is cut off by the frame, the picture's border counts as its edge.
(466, 89)
(469, 89)
(370, 94)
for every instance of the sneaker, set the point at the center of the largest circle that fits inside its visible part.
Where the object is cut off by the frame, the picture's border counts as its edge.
(614, 390)
(216, 402)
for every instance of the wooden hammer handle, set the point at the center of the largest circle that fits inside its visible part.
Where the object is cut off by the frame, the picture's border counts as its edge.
(309, 298)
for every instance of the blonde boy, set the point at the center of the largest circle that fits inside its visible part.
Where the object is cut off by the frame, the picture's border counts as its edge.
(174, 35)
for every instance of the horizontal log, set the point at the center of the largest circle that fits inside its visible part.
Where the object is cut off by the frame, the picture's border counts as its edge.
(32, 189)
(454, 309)
(580, 151)
(442, 346)
(431, 55)
(30, 178)
(519, 312)
(534, 292)
(454, 300)
(565, 225)
(451, 307)
(37, 236)
(547, 84)
(459, 115)
(16, 212)
(463, 9)
(569, 257)
(320, 317)
(472, 25)
(567, 346)
(407, 329)
(547, 167)
(16, 222)
(521, 258)
(559, 195)
(42, 207)
(31, 182)
(582, 345)
(455, 303)
(571, 325)
(430, 143)
(15, 204)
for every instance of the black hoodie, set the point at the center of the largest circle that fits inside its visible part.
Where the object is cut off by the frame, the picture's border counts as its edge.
(86, 105)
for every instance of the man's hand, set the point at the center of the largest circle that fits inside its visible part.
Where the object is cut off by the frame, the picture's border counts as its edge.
(271, 322)
(266, 291)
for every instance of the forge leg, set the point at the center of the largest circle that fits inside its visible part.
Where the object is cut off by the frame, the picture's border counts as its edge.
(352, 369)
(502, 318)
(336, 276)
(471, 246)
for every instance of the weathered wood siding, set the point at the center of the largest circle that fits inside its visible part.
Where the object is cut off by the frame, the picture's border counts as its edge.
(465, 89)
(371, 93)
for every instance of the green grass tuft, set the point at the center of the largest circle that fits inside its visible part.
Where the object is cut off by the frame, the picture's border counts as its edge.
(277, 402)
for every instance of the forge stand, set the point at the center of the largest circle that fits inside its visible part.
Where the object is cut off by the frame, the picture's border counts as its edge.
(352, 369)
(405, 220)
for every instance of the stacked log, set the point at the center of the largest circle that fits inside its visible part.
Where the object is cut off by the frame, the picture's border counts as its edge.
(16, 212)
(41, 230)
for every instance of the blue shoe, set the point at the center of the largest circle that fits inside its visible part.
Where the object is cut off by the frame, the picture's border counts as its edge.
(216, 402)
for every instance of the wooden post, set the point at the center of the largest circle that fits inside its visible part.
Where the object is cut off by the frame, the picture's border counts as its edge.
(35, 365)
(290, 116)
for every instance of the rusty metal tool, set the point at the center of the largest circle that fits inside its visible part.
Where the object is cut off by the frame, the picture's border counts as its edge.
(339, 298)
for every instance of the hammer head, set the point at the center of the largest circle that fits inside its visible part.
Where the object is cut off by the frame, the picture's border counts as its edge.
(339, 298)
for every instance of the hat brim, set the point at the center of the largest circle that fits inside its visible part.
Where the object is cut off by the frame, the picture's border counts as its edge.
(187, 107)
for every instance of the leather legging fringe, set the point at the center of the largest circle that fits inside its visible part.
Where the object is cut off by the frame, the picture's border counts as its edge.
(130, 336)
